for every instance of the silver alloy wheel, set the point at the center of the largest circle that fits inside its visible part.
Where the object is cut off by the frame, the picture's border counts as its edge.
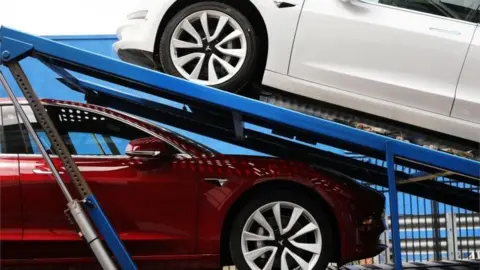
(208, 47)
(281, 235)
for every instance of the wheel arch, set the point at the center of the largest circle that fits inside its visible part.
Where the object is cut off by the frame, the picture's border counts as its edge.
(245, 7)
(261, 188)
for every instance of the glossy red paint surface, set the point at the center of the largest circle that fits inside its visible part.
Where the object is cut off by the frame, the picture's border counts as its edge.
(10, 203)
(169, 208)
(138, 195)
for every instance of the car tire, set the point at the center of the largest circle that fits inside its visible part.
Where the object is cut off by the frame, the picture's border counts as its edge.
(232, 77)
(248, 221)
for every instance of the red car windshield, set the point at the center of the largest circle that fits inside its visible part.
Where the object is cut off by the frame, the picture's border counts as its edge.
(184, 139)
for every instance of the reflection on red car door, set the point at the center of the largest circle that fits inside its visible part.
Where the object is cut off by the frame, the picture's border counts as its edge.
(151, 204)
(11, 226)
(10, 202)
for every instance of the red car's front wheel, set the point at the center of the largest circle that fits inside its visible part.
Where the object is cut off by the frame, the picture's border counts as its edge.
(281, 230)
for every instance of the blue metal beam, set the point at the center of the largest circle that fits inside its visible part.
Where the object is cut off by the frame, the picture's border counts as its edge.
(108, 232)
(392, 190)
(16, 49)
(157, 83)
(13, 51)
(60, 56)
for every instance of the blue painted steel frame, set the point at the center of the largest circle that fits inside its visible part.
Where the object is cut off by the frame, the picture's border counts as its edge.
(392, 190)
(15, 53)
(108, 68)
(108, 232)
(17, 44)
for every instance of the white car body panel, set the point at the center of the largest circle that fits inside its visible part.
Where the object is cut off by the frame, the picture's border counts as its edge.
(382, 52)
(392, 62)
(467, 100)
(140, 34)
(281, 25)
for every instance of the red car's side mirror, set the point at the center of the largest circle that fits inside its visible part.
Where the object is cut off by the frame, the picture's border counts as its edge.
(146, 147)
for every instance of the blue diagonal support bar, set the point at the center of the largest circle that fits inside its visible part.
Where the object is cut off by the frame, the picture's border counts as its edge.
(61, 56)
(11, 49)
(156, 83)
(393, 198)
(108, 232)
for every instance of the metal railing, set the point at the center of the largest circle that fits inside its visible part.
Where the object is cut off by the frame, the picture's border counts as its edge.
(452, 236)
(429, 230)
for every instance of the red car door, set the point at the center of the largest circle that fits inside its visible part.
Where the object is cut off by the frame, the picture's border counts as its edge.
(150, 203)
(11, 227)
(10, 203)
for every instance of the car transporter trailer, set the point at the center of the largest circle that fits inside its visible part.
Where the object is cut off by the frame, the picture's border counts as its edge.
(224, 116)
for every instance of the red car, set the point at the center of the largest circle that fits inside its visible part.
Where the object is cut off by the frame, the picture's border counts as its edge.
(177, 202)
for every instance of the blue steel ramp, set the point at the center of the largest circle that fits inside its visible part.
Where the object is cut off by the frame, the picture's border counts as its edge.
(229, 110)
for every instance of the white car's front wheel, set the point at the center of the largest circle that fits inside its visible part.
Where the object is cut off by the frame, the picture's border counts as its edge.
(210, 43)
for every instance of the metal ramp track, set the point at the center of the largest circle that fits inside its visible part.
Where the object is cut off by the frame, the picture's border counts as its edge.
(236, 111)
(375, 124)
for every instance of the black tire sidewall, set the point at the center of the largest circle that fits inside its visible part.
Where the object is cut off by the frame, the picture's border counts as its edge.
(244, 75)
(282, 195)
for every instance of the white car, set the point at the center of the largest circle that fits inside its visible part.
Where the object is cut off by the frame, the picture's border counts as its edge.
(411, 61)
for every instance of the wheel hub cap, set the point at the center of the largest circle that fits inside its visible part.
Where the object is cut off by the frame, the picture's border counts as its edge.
(281, 235)
(208, 47)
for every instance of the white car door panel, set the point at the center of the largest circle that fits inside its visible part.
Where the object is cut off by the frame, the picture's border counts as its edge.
(399, 55)
(467, 101)
(281, 19)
